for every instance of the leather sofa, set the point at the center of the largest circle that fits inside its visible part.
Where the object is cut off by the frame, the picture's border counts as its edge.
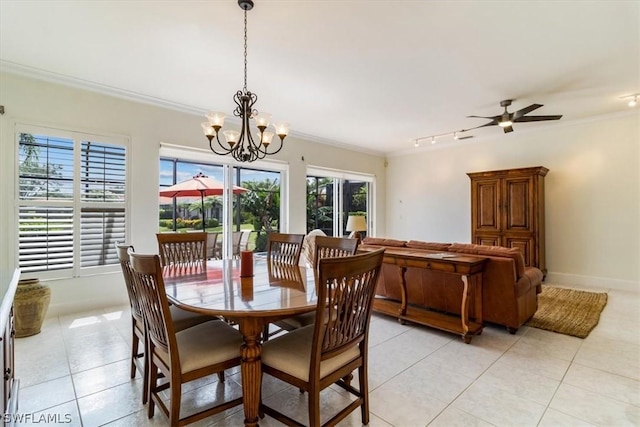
(510, 289)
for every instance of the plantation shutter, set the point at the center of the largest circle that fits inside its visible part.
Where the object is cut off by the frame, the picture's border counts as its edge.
(71, 202)
(102, 193)
(45, 238)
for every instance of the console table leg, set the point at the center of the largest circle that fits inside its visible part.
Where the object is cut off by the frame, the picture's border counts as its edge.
(403, 292)
(464, 309)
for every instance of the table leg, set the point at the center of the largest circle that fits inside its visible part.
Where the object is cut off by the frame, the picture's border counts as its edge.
(464, 310)
(251, 368)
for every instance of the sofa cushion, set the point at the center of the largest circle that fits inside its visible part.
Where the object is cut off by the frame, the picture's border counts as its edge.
(498, 251)
(377, 241)
(434, 246)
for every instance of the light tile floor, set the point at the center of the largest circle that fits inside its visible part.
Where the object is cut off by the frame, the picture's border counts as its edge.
(78, 368)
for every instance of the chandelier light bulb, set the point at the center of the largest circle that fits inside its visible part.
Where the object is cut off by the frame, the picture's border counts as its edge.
(455, 135)
(282, 129)
(216, 119)
(433, 139)
(266, 138)
(262, 120)
(633, 102)
(232, 137)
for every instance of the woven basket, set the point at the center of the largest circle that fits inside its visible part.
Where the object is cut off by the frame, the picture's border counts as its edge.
(30, 306)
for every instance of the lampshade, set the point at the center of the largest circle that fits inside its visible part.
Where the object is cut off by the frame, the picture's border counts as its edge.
(356, 223)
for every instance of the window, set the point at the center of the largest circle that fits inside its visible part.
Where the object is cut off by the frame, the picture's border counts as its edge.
(71, 202)
(333, 195)
(258, 209)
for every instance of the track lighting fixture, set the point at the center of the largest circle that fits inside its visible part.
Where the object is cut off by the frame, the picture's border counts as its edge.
(455, 135)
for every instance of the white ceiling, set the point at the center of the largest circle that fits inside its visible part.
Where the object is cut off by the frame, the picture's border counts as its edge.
(369, 73)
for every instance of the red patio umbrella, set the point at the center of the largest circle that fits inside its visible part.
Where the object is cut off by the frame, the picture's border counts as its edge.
(200, 185)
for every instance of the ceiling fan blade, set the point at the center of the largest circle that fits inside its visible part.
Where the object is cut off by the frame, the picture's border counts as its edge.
(492, 123)
(537, 118)
(507, 129)
(483, 117)
(526, 110)
(460, 138)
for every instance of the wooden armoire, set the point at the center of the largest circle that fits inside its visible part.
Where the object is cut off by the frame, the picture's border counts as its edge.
(507, 209)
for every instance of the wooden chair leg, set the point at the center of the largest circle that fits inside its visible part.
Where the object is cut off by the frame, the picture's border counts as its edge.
(134, 348)
(265, 333)
(364, 392)
(176, 394)
(221, 376)
(151, 386)
(145, 372)
(314, 406)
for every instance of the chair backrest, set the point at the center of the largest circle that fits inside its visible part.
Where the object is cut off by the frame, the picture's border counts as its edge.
(244, 240)
(236, 237)
(127, 272)
(334, 247)
(346, 288)
(287, 275)
(147, 273)
(284, 248)
(212, 240)
(183, 251)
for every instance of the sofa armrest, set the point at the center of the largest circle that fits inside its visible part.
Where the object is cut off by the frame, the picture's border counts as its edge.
(535, 276)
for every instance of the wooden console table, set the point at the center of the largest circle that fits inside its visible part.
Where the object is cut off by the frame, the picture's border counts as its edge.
(465, 266)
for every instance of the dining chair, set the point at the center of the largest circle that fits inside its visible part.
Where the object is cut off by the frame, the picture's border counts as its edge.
(183, 356)
(284, 248)
(244, 240)
(326, 247)
(181, 319)
(212, 244)
(316, 356)
(236, 238)
(183, 251)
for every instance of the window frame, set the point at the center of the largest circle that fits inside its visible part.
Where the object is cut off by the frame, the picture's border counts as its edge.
(76, 202)
(339, 176)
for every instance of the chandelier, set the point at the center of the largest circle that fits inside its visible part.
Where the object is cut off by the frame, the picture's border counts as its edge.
(242, 145)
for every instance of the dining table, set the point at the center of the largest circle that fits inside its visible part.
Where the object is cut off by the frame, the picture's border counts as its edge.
(273, 292)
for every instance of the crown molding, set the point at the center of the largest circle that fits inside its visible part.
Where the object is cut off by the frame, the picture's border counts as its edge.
(52, 77)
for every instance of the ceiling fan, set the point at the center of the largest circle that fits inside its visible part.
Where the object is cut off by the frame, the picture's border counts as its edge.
(507, 119)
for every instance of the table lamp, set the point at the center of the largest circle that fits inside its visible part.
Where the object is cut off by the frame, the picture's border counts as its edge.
(356, 224)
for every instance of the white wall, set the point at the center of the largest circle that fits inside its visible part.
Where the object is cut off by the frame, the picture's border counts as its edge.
(592, 194)
(37, 102)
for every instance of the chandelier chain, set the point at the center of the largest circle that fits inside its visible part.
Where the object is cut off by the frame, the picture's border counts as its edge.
(245, 51)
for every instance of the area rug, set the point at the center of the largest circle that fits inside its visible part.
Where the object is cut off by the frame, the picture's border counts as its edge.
(568, 311)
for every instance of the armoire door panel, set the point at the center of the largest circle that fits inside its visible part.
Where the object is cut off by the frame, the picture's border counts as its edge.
(488, 207)
(525, 245)
(487, 240)
(518, 209)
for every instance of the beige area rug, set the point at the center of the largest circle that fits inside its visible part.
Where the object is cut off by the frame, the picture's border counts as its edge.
(568, 311)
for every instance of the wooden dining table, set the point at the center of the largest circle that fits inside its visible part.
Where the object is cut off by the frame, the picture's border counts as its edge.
(274, 292)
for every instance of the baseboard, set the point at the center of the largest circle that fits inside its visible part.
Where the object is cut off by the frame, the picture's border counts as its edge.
(592, 282)
(76, 307)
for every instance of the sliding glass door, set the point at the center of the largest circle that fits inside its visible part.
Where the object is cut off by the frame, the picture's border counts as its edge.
(334, 195)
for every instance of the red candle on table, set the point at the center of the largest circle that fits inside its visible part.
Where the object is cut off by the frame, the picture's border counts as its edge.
(246, 264)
